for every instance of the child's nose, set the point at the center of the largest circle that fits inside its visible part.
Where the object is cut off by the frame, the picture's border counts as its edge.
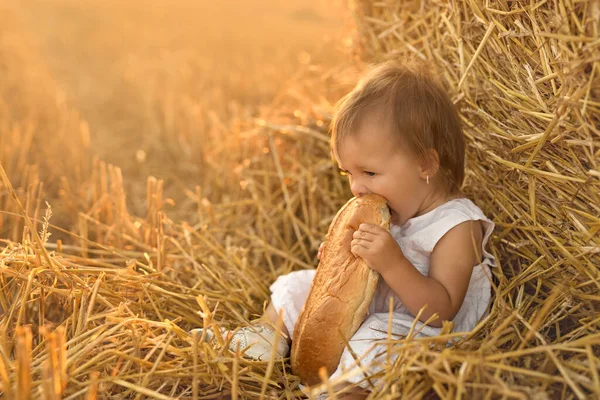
(357, 188)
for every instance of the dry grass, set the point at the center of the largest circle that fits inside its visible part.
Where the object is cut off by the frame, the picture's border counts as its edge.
(526, 78)
(101, 308)
(161, 84)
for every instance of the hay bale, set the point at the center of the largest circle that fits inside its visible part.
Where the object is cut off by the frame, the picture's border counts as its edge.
(526, 78)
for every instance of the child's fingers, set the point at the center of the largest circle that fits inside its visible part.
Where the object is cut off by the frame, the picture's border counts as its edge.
(364, 235)
(363, 245)
(359, 250)
(356, 250)
(370, 228)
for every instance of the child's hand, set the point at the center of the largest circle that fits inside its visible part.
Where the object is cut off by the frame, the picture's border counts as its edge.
(320, 250)
(376, 246)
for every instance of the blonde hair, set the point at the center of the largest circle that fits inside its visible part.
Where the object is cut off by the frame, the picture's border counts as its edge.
(420, 113)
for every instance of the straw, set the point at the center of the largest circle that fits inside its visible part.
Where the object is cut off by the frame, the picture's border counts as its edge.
(99, 292)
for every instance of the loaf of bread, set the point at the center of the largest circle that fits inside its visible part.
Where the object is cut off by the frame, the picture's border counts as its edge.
(340, 294)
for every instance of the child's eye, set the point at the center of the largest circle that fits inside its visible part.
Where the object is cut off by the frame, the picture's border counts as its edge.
(369, 173)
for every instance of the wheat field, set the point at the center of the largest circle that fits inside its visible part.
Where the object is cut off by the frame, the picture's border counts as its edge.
(147, 133)
(163, 162)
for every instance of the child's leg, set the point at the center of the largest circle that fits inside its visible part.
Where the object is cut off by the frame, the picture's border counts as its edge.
(289, 293)
(271, 315)
(258, 338)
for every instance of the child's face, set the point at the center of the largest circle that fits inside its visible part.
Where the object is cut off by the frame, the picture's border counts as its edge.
(375, 163)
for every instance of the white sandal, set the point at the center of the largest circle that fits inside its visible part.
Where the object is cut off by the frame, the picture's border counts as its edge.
(257, 340)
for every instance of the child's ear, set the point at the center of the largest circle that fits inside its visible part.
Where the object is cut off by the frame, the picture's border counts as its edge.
(430, 164)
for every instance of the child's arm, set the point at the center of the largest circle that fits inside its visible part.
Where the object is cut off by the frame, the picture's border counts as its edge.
(450, 266)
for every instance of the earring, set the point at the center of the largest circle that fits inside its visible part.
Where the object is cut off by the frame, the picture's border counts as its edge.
(428, 179)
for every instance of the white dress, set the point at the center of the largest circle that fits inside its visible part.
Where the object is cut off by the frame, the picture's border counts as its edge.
(417, 238)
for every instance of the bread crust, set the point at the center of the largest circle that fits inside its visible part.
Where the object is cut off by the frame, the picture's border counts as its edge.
(340, 294)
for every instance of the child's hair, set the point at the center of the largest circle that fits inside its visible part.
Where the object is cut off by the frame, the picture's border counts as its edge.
(418, 110)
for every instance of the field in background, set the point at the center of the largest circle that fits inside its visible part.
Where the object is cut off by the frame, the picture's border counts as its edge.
(154, 79)
(182, 148)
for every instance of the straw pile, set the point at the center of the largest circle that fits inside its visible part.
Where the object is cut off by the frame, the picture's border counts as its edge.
(104, 312)
(526, 77)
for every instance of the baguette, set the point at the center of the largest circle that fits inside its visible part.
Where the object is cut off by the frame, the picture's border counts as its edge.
(340, 294)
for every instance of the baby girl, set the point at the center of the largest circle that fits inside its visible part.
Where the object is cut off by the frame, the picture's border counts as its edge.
(397, 134)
